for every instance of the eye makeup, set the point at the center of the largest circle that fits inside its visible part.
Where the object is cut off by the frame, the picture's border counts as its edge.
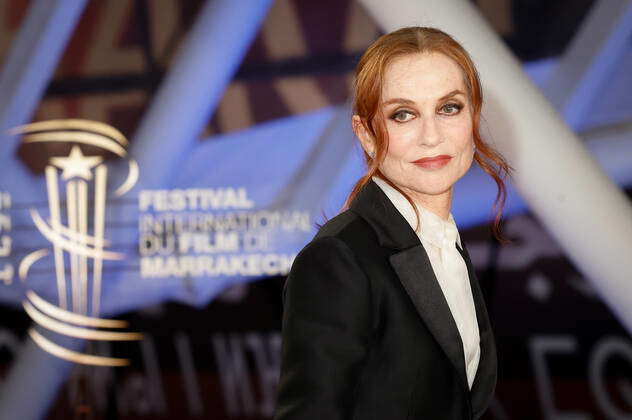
(395, 116)
(405, 115)
(455, 105)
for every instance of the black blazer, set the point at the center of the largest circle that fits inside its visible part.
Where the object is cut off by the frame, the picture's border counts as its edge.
(367, 332)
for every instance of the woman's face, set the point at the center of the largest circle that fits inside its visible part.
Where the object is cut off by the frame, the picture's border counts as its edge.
(427, 113)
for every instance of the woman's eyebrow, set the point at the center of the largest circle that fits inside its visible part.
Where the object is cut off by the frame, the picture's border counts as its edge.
(450, 94)
(411, 102)
(398, 101)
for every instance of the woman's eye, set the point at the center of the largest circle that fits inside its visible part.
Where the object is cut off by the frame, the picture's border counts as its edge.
(402, 116)
(451, 108)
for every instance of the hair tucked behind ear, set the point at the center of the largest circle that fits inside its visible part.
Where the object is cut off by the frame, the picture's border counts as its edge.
(367, 89)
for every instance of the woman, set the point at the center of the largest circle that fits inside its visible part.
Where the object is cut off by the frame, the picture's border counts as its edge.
(383, 315)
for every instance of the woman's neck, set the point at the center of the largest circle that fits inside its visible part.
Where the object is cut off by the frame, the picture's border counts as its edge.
(439, 204)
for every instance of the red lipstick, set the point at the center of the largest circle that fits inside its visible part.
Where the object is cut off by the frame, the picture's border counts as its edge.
(433, 162)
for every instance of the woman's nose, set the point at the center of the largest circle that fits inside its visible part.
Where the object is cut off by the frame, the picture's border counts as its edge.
(430, 132)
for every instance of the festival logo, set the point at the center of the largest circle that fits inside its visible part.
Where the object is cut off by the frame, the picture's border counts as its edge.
(77, 188)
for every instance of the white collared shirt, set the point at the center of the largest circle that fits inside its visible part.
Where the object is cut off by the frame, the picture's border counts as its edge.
(438, 238)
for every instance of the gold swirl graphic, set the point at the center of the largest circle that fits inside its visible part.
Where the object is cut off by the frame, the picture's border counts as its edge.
(83, 180)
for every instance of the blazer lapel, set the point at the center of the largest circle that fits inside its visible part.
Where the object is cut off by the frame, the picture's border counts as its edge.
(416, 274)
(430, 303)
(414, 270)
(485, 379)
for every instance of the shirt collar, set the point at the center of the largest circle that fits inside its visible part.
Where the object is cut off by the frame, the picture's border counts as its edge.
(433, 228)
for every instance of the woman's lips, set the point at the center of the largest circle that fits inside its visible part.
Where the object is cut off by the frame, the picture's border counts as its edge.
(434, 162)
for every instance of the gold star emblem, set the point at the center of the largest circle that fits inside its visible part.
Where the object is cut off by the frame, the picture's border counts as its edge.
(76, 164)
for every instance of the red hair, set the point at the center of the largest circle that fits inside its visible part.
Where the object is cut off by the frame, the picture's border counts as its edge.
(369, 76)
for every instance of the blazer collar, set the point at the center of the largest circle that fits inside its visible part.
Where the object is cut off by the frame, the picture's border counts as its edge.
(433, 226)
(413, 267)
(392, 229)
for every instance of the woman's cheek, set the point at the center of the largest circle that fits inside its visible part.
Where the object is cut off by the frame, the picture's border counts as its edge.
(397, 142)
(405, 137)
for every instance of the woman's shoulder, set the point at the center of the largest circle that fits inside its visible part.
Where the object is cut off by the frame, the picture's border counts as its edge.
(338, 254)
(345, 226)
(334, 254)
(347, 229)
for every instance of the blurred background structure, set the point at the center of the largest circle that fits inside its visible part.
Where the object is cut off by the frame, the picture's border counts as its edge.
(233, 140)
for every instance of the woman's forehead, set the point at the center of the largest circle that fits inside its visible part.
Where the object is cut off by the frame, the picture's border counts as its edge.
(421, 76)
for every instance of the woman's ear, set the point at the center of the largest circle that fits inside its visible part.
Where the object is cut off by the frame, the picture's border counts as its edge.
(361, 132)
